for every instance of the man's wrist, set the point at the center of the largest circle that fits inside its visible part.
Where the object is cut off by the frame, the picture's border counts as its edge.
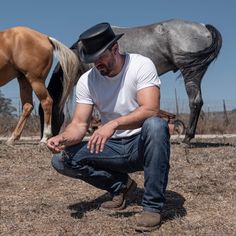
(114, 124)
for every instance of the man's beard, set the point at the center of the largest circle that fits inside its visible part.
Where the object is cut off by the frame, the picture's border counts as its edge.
(105, 70)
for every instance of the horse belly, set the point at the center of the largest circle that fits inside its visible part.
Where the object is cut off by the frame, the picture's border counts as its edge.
(7, 73)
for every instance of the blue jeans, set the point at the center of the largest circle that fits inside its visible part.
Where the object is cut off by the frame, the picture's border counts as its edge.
(108, 170)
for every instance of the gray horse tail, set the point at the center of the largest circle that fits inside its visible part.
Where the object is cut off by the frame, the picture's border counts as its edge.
(194, 65)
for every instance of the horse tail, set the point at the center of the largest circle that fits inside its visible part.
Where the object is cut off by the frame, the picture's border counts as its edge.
(69, 63)
(194, 64)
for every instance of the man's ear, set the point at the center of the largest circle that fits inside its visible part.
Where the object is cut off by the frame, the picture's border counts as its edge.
(115, 47)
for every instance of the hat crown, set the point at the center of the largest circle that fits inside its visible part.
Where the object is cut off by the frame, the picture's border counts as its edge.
(95, 30)
(96, 40)
(97, 37)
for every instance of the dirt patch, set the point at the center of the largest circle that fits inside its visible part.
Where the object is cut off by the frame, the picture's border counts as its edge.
(35, 200)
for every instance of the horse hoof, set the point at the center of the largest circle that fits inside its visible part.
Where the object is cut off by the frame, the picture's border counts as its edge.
(10, 142)
(186, 141)
(42, 143)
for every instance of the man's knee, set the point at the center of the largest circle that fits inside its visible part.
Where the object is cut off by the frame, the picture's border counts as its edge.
(155, 124)
(58, 163)
(69, 167)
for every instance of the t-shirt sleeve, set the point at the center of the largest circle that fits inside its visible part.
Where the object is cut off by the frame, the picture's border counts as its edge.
(147, 75)
(82, 91)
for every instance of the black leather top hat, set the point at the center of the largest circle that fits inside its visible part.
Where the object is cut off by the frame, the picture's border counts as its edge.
(95, 41)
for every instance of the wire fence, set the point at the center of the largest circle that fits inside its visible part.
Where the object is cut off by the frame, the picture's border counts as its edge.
(170, 105)
(217, 116)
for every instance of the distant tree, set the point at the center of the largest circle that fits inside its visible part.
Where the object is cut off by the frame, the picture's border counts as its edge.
(6, 107)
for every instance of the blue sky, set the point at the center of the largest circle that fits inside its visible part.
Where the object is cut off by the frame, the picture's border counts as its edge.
(65, 20)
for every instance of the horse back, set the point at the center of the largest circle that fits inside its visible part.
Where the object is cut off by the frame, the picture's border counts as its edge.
(26, 49)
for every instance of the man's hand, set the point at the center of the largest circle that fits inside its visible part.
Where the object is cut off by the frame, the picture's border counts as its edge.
(56, 144)
(100, 136)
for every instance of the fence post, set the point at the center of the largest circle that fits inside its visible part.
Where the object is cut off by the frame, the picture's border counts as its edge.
(176, 104)
(226, 118)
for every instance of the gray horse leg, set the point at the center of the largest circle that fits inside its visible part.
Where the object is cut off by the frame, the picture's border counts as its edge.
(193, 88)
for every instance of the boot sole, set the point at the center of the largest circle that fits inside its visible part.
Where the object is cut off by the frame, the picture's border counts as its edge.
(147, 229)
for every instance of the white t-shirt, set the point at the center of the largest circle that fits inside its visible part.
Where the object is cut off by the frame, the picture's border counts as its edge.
(117, 96)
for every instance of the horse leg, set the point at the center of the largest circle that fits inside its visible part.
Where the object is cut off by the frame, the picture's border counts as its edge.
(46, 103)
(27, 107)
(193, 88)
(55, 89)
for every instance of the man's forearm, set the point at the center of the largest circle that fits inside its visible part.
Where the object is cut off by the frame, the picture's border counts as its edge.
(74, 133)
(134, 119)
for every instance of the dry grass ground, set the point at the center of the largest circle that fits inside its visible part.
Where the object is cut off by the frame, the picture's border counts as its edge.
(35, 200)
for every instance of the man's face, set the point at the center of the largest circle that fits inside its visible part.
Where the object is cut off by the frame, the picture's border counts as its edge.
(106, 63)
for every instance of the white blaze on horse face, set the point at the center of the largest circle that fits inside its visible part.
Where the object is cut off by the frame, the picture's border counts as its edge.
(47, 133)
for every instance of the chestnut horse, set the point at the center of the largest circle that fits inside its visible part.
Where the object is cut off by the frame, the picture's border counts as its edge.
(27, 55)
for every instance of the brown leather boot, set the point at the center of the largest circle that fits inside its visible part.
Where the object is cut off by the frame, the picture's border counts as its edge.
(118, 202)
(148, 221)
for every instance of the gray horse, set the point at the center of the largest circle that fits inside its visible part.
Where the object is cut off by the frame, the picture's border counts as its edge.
(172, 45)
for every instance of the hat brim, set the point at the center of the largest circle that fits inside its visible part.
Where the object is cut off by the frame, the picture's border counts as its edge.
(90, 58)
